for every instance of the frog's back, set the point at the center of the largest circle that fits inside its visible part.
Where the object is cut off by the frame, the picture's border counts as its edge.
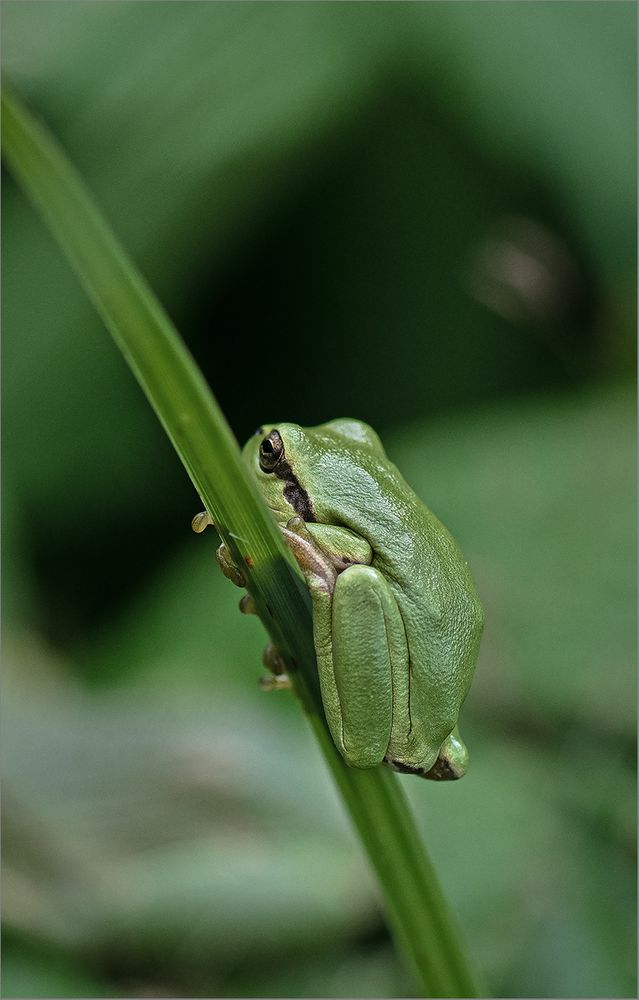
(412, 548)
(438, 602)
(443, 619)
(361, 489)
(429, 575)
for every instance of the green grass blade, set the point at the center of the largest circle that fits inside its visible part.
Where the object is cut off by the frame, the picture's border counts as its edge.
(184, 404)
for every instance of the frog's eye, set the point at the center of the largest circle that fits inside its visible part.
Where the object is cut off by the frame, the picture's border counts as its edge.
(271, 451)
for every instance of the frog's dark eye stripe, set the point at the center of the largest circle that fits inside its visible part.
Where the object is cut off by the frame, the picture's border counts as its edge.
(271, 451)
(273, 459)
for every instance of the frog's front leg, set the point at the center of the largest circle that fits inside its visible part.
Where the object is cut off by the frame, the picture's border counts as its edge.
(341, 546)
(224, 558)
(360, 644)
(277, 679)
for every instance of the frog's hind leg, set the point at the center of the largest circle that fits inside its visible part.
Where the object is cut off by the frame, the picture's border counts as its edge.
(358, 636)
(365, 649)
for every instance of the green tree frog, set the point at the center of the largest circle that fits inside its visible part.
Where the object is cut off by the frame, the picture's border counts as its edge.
(396, 618)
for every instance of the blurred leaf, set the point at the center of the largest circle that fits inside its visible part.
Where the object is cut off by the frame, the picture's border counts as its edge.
(19, 591)
(541, 498)
(167, 816)
(181, 831)
(522, 866)
(545, 87)
(29, 971)
(246, 81)
(183, 630)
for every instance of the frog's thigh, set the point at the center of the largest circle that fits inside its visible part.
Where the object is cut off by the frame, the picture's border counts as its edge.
(368, 645)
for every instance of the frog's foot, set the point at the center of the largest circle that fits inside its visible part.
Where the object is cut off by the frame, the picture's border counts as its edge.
(271, 683)
(278, 679)
(228, 567)
(248, 605)
(452, 759)
(451, 763)
(201, 522)
(273, 661)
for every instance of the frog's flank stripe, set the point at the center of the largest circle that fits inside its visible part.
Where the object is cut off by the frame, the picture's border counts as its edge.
(294, 494)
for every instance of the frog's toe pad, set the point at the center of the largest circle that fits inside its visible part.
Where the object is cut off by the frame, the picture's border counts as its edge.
(202, 521)
(272, 683)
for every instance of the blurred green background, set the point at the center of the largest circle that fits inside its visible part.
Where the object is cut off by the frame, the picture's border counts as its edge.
(419, 214)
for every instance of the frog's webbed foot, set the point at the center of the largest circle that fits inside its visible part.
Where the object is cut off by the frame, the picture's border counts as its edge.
(278, 679)
(229, 568)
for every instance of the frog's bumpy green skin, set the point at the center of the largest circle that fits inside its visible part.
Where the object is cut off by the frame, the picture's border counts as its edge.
(396, 618)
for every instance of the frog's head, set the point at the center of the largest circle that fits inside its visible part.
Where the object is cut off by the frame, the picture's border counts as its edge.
(296, 468)
(280, 458)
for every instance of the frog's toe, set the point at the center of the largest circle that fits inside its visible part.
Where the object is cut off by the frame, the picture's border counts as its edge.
(228, 567)
(272, 683)
(202, 521)
(273, 661)
(248, 605)
(278, 679)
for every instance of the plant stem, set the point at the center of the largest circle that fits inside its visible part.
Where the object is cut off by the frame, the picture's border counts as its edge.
(174, 386)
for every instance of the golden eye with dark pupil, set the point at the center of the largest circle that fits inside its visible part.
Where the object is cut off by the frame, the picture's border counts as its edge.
(271, 451)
